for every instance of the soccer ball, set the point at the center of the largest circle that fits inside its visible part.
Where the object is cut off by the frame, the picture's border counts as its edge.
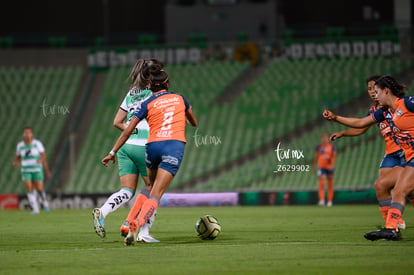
(207, 227)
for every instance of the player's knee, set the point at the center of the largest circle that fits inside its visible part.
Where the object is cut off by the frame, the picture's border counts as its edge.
(380, 186)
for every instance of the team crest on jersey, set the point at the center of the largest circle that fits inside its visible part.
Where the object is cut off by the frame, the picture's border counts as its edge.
(399, 112)
(382, 126)
(395, 130)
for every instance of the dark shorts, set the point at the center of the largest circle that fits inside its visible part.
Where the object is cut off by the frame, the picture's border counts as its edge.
(394, 159)
(166, 154)
(327, 172)
(410, 163)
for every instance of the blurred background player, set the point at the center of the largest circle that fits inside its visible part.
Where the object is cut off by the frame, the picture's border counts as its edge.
(166, 113)
(324, 160)
(393, 159)
(131, 157)
(32, 157)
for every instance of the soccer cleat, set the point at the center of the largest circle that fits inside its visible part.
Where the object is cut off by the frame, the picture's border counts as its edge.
(401, 224)
(35, 213)
(46, 208)
(147, 239)
(132, 236)
(98, 222)
(124, 228)
(390, 234)
(329, 204)
(321, 203)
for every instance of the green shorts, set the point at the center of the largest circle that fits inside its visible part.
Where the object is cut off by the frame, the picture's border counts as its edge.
(32, 176)
(131, 160)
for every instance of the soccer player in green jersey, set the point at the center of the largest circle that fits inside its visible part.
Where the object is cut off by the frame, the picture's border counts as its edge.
(131, 157)
(32, 156)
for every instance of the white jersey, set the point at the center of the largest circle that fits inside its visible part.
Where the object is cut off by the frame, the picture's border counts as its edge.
(29, 155)
(130, 104)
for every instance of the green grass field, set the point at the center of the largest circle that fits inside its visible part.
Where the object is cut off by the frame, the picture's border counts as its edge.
(254, 240)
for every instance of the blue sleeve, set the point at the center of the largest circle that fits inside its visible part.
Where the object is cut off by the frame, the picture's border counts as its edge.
(378, 115)
(370, 111)
(409, 103)
(186, 103)
(142, 112)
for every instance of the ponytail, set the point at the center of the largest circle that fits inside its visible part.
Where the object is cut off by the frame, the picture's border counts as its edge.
(159, 78)
(141, 73)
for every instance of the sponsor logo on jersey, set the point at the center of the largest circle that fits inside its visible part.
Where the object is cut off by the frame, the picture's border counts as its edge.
(168, 101)
(136, 91)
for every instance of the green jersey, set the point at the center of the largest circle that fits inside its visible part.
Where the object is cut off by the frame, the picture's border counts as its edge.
(29, 155)
(130, 104)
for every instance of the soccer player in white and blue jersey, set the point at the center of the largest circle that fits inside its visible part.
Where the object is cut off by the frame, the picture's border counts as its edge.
(32, 156)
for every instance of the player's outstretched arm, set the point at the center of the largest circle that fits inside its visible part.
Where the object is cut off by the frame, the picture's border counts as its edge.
(46, 166)
(348, 133)
(333, 161)
(121, 141)
(16, 161)
(349, 121)
(191, 118)
(119, 120)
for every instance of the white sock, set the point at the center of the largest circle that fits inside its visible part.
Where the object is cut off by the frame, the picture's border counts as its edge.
(32, 197)
(116, 200)
(144, 231)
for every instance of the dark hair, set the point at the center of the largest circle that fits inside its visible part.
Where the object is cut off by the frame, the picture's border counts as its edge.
(372, 78)
(159, 78)
(389, 82)
(140, 73)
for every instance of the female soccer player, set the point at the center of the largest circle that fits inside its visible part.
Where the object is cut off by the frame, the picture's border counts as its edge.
(32, 156)
(324, 159)
(131, 157)
(166, 113)
(393, 159)
(390, 93)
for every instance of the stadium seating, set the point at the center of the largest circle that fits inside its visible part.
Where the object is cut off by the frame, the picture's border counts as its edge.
(288, 95)
(38, 97)
(360, 155)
